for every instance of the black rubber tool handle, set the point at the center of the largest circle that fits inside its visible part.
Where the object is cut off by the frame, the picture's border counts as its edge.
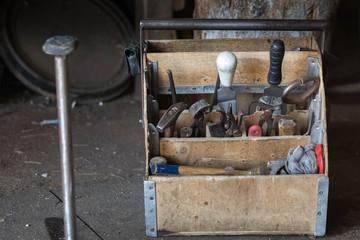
(277, 51)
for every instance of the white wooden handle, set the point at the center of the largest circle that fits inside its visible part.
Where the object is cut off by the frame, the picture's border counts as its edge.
(226, 64)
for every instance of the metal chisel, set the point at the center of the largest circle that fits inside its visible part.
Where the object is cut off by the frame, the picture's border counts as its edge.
(272, 94)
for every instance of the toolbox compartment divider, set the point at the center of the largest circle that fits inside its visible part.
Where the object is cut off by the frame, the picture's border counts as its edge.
(247, 152)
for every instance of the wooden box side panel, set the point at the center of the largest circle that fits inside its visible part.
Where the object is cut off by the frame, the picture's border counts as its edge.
(199, 68)
(231, 205)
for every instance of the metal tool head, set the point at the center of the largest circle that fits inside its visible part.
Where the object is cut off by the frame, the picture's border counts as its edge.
(153, 138)
(270, 102)
(157, 160)
(170, 116)
(217, 129)
(186, 132)
(226, 96)
(274, 91)
(199, 108)
(60, 45)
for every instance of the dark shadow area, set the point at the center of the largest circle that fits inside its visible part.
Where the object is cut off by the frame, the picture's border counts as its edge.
(345, 45)
(343, 124)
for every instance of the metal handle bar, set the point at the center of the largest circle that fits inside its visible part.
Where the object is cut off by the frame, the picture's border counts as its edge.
(233, 24)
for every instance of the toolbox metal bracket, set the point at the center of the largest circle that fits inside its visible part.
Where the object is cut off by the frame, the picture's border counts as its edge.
(317, 133)
(150, 208)
(321, 206)
(314, 112)
(313, 67)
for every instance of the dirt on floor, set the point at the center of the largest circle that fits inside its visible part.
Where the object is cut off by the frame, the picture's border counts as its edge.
(109, 169)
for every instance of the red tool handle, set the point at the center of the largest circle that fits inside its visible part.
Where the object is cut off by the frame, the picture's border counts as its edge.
(320, 159)
(255, 131)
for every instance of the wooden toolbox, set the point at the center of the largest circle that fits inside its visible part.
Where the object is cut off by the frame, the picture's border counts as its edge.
(222, 204)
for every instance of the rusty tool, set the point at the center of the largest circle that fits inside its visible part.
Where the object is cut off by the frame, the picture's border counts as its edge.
(197, 129)
(272, 94)
(226, 63)
(173, 112)
(172, 86)
(214, 99)
(217, 129)
(186, 132)
(170, 116)
(237, 131)
(300, 100)
(230, 122)
(60, 47)
(266, 117)
(197, 111)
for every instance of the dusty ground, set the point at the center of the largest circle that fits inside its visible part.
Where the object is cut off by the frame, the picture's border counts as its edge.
(109, 162)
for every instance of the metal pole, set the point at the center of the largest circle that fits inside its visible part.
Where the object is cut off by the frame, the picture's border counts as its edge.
(67, 165)
(60, 47)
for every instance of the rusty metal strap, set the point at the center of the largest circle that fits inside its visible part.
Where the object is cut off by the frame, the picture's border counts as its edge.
(233, 24)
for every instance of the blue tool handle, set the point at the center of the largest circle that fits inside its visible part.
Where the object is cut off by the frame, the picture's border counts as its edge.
(277, 51)
(164, 169)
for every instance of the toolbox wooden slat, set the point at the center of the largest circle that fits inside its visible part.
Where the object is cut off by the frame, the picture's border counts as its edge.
(200, 68)
(233, 205)
(250, 151)
(213, 45)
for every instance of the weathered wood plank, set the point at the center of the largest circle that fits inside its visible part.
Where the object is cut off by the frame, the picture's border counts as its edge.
(248, 151)
(252, 204)
(218, 45)
(254, 9)
(190, 68)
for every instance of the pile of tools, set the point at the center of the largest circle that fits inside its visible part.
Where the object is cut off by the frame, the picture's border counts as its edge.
(224, 103)
(272, 120)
